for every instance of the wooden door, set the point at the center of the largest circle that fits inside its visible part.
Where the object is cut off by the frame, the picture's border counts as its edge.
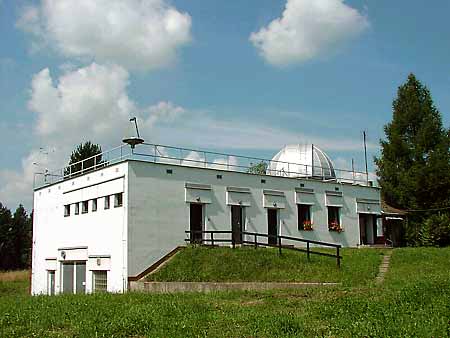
(272, 225)
(236, 223)
(196, 222)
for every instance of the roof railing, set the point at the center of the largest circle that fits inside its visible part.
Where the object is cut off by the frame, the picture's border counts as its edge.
(159, 153)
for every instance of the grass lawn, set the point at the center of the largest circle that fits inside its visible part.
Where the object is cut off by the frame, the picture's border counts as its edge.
(220, 264)
(414, 301)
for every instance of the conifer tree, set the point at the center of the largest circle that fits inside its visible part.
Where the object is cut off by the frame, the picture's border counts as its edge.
(414, 166)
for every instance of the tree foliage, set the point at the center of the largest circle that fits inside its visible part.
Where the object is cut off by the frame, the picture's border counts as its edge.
(258, 168)
(414, 166)
(84, 151)
(15, 238)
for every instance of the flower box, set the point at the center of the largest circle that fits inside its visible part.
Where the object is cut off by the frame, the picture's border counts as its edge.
(307, 226)
(335, 226)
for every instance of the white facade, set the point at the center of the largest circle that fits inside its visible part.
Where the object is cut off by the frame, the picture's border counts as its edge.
(155, 213)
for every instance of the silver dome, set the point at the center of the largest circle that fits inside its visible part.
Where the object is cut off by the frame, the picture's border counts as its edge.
(301, 160)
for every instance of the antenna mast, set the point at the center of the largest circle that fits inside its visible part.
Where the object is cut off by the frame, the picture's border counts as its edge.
(365, 156)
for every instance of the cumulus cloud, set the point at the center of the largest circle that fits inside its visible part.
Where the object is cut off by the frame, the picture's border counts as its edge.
(137, 34)
(88, 103)
(306, 29)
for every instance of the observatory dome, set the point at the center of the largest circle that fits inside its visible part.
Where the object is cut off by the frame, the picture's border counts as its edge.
(301, 160)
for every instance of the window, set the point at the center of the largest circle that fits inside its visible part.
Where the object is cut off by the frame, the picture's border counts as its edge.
(118, 200)
(94, 204)
(334, 219)
(106, 202)
(99, 281)
(77, 208)
(51, 282)
(67, 210)
(304, 217)
(84, 207)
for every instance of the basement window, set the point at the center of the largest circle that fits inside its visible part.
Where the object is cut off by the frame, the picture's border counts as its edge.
(94, 205)
(67, 210)
(84, 207)
(118, 200)
(304, 217)
(77, 208)
(100, 281)
(107, 202)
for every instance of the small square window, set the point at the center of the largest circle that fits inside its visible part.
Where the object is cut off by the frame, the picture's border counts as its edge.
(77, 208)
(219, 177)
(118, 200)
(336, 189)
(304, 217)
(67, 210)
(94, 205)
(302, 185)
(107, 202)
(169, 171)
(100, 281)
(84, 207)
(263, 181)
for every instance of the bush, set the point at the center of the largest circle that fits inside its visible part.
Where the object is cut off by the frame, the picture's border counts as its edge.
(435, 231)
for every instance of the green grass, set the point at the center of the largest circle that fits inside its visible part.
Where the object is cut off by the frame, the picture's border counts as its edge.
(219, 264)
(414, 301)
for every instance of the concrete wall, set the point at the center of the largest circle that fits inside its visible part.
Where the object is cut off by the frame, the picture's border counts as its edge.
(159, 208)
(98, 238)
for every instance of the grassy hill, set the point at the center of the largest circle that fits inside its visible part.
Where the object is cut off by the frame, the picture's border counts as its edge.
(221, 264)
(413, 302)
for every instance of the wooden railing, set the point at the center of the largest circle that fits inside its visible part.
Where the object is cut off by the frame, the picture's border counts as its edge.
(210, 237)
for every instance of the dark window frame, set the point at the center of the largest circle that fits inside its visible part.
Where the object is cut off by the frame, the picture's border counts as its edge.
(334, 217)
(107, 202)
(67, 210)
(118, 200)
(84, 207)
(303, 215)
(94, 205)
(77, 208)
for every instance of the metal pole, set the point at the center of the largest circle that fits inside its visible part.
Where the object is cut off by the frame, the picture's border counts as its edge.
(353, 170)
(307, 250)
(279, 246)
(365, 156)
(338, 257)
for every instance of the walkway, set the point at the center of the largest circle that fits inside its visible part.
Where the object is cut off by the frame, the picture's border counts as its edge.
(384, 266)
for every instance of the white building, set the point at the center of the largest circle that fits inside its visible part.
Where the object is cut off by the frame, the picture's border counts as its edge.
(100, 227)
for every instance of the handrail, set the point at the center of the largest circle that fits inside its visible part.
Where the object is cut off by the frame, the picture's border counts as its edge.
(209, 159)
(278, 239)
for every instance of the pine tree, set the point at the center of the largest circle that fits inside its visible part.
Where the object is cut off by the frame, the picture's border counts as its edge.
(21, 238)
(414, 166)
(5, 237)
(84, 151)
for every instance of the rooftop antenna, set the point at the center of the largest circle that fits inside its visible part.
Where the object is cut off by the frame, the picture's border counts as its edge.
(133, 140)
(365, 156)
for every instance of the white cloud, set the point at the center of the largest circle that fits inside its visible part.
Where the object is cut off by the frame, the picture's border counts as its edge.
(137, 34)
(89, 103)
(306, 29)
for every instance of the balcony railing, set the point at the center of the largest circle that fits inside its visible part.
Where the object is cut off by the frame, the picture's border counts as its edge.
(158, 153)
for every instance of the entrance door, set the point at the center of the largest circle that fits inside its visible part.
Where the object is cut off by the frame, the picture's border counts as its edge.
(74, 277)
(272, 225)
(367, 228)
(196, 222)
(362, 230)
(236, 223)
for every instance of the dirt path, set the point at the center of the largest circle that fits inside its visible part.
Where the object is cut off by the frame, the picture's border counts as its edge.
(384, 266)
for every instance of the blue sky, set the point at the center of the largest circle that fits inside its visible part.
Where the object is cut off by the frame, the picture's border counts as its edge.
(216, 76)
